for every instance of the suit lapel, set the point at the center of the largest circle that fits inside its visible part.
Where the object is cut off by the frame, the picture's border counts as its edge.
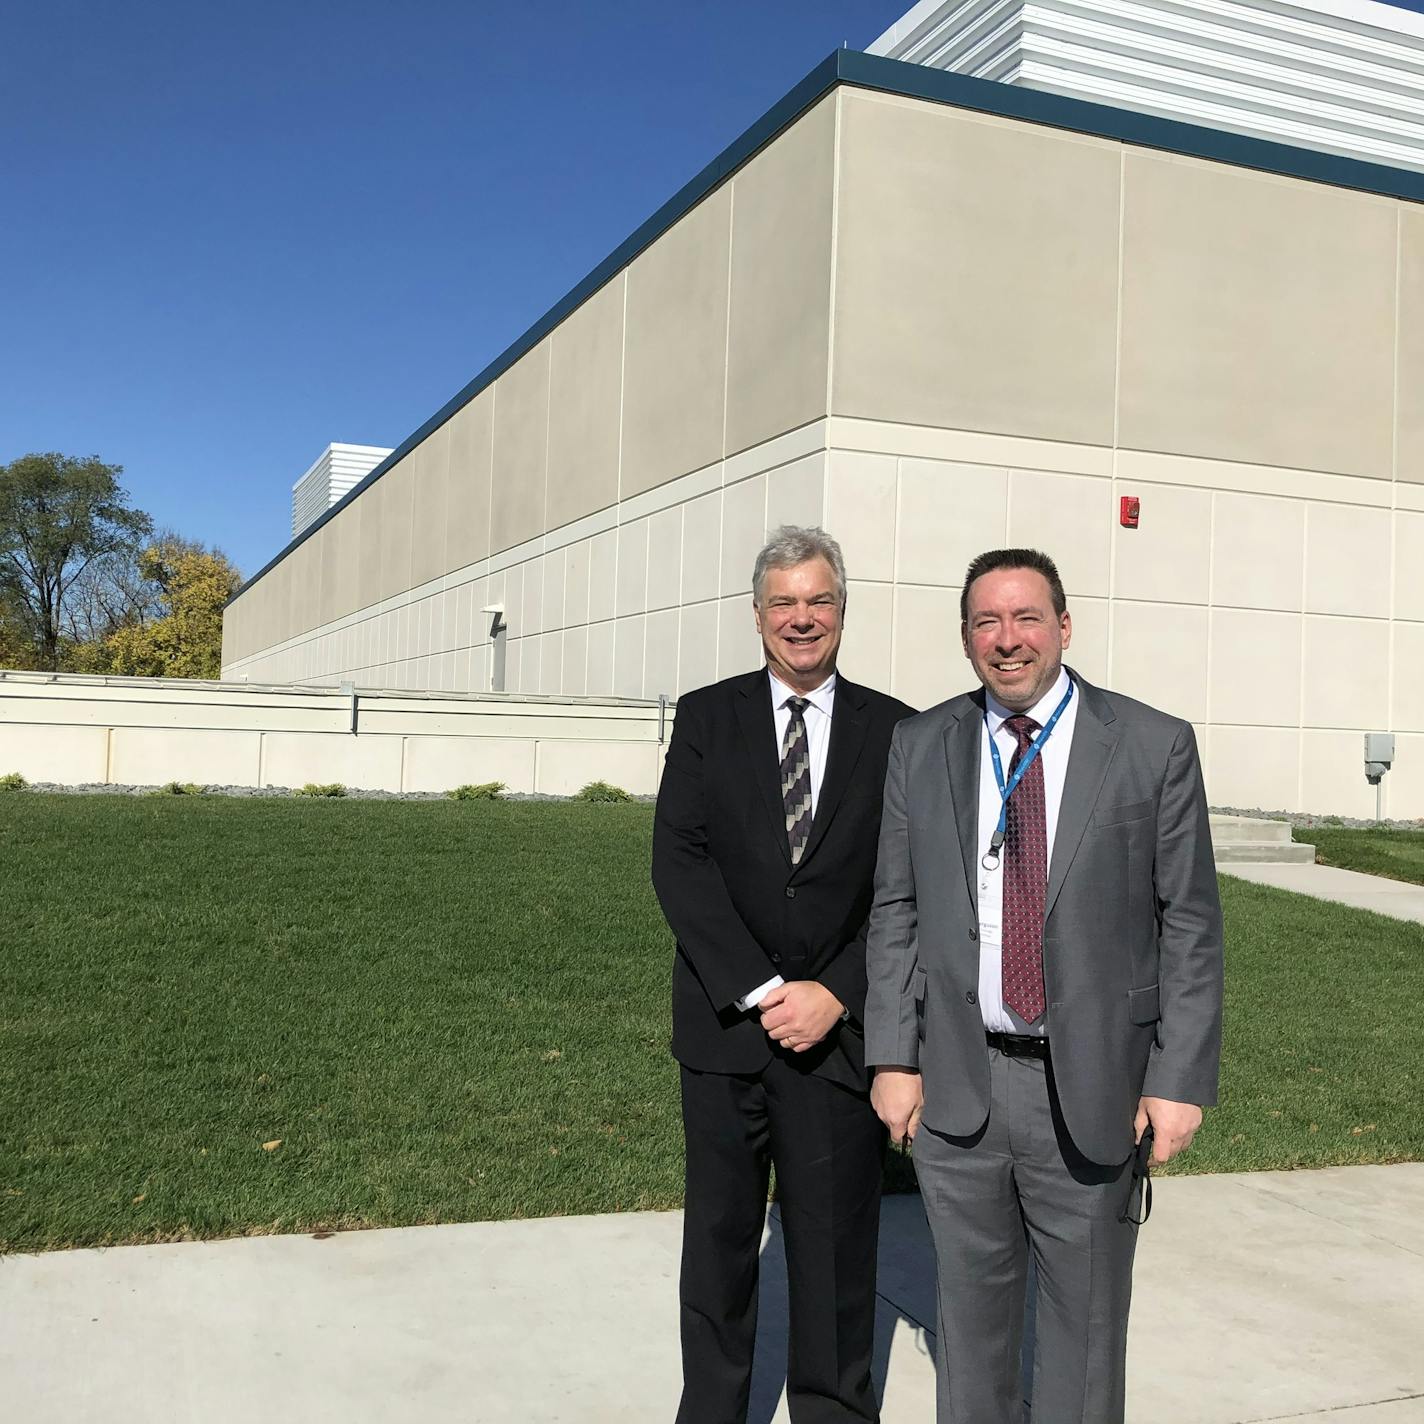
(759, 732)
(849, 722)
(1095, 739)
(962, 753)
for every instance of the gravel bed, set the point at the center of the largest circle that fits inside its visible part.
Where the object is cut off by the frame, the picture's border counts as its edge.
(1300, 818)
(353, 793)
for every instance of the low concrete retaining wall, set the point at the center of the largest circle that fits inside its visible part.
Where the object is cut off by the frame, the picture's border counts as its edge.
(146, 731)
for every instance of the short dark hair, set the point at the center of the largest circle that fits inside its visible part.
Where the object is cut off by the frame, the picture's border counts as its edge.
(992, 559)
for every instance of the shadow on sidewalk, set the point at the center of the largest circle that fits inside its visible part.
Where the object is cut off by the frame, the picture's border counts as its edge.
(906, 1291)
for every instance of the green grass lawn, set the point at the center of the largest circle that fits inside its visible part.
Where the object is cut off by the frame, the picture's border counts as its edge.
(1399, 855)
(457, 1011)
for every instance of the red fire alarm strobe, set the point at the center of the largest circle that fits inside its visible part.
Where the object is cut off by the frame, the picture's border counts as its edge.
(1127, 516)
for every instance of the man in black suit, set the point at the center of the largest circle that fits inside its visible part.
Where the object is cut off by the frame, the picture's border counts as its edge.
(763, 859)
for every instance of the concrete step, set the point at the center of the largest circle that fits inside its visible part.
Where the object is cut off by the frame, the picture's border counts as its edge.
(1249, 828)
(1264, 853)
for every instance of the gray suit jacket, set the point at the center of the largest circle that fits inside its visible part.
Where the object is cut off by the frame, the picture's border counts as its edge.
(1132, 945)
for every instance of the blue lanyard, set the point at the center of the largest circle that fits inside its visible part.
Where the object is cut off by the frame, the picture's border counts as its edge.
(991, 856)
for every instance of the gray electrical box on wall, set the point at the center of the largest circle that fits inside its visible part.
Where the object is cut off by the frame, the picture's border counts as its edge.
(1379, 755)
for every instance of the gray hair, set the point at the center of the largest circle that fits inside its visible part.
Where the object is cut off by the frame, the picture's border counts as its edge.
(791, 545)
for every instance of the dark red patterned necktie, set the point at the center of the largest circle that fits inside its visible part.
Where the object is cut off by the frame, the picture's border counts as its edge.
(1025, 881)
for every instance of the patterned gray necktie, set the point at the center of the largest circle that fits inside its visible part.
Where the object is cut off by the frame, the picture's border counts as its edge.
(796, 778)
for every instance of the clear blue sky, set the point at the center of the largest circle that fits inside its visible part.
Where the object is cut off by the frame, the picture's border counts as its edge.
(234, 233)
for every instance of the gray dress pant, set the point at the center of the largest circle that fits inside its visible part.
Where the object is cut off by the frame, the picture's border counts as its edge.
(1018, 1188)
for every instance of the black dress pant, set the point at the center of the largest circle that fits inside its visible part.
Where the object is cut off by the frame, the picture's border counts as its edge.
(828, 1147)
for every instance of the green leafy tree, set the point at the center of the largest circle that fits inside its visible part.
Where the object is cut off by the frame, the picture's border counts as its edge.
(58, 516)
(185, 640)
(17, 641)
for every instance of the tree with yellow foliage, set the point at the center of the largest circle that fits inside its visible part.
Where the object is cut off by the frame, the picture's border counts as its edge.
(185, 640)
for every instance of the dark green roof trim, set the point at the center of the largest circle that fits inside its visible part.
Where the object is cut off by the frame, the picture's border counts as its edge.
(915, 81)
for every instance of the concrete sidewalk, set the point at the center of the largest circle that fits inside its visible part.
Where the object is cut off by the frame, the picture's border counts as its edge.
(1268, 1296)
(1396, 898)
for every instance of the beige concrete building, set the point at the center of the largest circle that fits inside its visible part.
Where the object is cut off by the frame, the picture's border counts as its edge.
(937, 315)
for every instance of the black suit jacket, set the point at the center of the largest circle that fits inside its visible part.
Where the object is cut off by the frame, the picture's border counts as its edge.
(741, 912)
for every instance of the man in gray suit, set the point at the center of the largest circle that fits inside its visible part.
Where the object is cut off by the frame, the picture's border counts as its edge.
(1045, 974)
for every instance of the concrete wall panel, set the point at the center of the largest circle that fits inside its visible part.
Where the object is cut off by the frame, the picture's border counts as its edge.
(602, 575)
(585, 391)
(576, 572)
(295, 758)
(339, 570)
(928, 664)
(154, 756)
(279, 621)
(697, 646)
(467, 508)
(1347, 568)
(428, 553)
(1255, 668)
(743, 532)
(1407, 697)
(575, 661)
(566, 766)
(779, 335)
(1410, 406)
(600, 659)
(1404, 786)
(1088, 645)
(529, 612)
(1409, 565)
(551, 662)
(796, 493)
(1070, 518)
(861, 496)
(369, 536)
(1253, 767)
(738, 646)
(660, 650)
(869, 631)
(628, 647)
(1258, 318)
(665, 558)
(1332, 774)
(1346, 672)
(521, 449)
(675, 355)
(948, 514)
(1168, 556)
(1159, 656)
(631, 585)
(555, 568)
(702, 548)
(976, 272)
(65, 756)
(441, 763)
(1258, 551)
(397, 512)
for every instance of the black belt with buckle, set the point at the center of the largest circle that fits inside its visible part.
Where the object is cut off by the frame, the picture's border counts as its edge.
(1017, 1045)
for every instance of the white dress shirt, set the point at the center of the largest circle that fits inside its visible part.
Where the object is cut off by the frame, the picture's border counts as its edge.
(817, 715)
(1054, 757)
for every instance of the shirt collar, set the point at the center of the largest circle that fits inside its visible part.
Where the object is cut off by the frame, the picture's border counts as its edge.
(1041, 710)
(821, 699)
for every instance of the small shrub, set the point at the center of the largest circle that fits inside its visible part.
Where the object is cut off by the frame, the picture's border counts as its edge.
(601, 791)
(1332, 821)
(177, 788)
(13, 781)
(483, 791)
(319, 788)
